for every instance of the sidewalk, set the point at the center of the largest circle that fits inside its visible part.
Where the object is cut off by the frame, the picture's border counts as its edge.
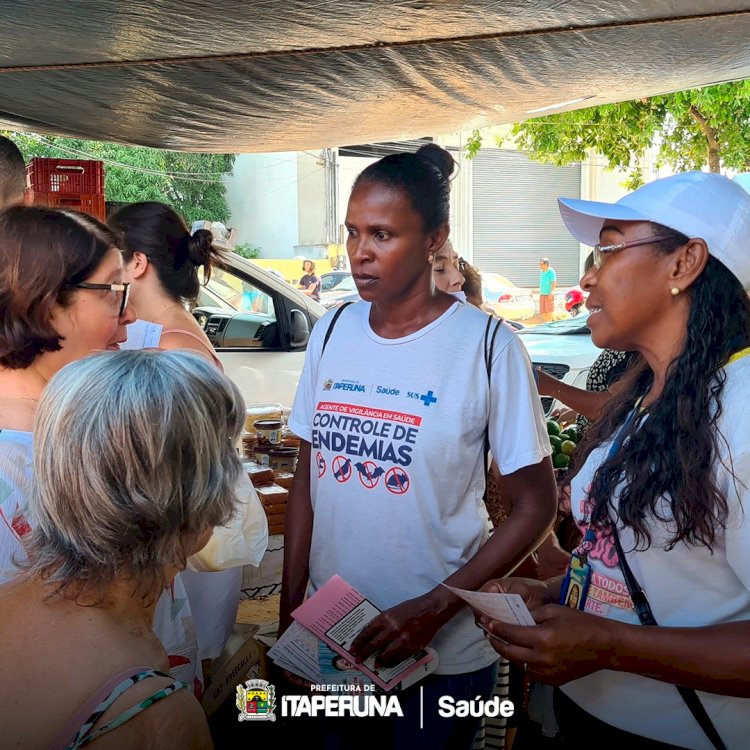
(537, 318)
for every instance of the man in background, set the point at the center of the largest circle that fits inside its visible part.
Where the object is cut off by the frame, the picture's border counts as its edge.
(547, 284)
(12, 173)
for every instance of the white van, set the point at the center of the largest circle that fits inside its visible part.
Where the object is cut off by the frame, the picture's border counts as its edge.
(259, 326)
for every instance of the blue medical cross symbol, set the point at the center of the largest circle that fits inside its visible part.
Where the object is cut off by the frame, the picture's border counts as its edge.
(428, 398)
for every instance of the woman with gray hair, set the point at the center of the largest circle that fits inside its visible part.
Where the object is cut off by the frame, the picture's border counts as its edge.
(162, 259)
(156, 433)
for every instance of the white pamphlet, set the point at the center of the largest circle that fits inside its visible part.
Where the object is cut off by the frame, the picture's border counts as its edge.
(142, 335)
(509, 608)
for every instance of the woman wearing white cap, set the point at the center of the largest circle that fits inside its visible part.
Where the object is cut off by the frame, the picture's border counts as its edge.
(660, 485)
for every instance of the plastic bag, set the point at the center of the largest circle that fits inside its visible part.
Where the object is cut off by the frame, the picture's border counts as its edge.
(242, 541)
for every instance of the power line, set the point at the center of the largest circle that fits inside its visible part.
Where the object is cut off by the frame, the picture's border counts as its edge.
(187, 176)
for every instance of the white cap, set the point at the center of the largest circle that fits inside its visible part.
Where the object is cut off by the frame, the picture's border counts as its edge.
(697, 204)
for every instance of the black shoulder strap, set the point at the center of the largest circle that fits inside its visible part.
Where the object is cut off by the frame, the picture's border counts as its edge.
(489, 348)
(335, 317)
(646, 616)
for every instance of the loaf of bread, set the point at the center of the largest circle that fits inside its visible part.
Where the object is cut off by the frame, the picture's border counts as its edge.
(272, 494)
(290, 440)
(259, 475)
(284, 479)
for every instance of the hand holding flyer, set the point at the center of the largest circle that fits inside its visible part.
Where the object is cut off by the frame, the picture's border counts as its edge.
(509, 608)
(337, 613)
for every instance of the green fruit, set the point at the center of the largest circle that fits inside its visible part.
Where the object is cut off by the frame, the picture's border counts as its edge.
(561, 461)
(572, 433)
(552, 427)
(567, 447)
(556, 443)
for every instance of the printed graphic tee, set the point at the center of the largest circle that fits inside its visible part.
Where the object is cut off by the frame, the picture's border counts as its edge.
(396, 428)
(686, 587)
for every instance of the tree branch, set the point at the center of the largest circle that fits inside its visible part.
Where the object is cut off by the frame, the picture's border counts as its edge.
(714, 148)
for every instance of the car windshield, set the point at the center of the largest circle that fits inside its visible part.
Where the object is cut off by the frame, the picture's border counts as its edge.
(496, 283)
(559, 327)
(345, 285)
(210, 297)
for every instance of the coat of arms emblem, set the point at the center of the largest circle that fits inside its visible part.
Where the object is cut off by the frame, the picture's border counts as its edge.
(256, 700)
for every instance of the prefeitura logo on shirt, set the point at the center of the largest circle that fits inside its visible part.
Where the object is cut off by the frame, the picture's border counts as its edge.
(344, 385)
(375, 445)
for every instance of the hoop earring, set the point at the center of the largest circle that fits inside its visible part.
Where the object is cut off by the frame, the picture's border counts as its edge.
(675, 291)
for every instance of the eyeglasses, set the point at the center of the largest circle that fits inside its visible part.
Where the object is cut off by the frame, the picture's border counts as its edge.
(601, 250)
(119, 289)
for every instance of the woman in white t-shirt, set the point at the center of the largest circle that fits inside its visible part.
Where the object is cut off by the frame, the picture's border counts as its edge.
(661, 486)
(388, 490)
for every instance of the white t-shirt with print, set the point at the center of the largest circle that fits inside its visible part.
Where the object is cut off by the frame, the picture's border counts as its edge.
(686, 587)
(396, 428)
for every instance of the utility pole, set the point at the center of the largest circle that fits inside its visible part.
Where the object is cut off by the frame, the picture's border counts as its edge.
(330, 166)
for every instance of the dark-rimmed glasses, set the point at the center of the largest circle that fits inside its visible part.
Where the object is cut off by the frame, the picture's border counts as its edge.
(601, 250)
(123, 288)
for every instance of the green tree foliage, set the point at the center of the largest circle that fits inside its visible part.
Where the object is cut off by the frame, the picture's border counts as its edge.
(190, 182)
(687, 130)
(248, 250)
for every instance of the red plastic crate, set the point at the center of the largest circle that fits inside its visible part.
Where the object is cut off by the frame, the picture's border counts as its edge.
(90, 204)
(81, 176)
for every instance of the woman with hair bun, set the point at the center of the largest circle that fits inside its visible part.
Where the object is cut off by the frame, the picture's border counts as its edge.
(162, 262)
(162, 259)
(408, 513)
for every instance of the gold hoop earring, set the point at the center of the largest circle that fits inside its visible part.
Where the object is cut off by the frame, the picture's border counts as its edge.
(675, 291)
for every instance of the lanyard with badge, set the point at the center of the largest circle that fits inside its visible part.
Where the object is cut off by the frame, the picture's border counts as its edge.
(575, 585)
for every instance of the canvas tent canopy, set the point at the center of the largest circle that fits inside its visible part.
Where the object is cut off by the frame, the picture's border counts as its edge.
(277, 75)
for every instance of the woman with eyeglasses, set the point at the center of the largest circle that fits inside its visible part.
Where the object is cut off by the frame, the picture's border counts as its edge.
(163, 260)
(62, 298)
(601, 383)
(655, 653)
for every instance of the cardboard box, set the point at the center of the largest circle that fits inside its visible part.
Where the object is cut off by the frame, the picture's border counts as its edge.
(224, 237)
(266, 578)
(266, 637)
(240, 654)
